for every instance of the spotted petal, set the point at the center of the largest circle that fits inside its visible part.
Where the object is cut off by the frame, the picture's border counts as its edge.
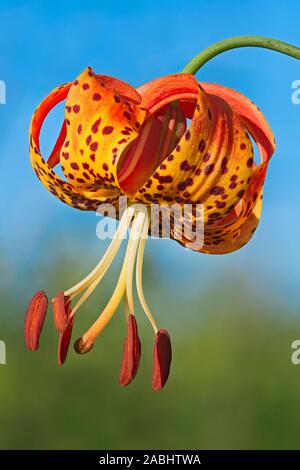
(235, 230)
(64, 190)
(212, 163)
(103, 117)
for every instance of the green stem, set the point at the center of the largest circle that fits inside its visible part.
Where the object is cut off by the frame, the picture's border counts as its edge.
(241, 41)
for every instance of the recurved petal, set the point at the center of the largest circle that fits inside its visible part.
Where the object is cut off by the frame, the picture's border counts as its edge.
(213, 162)
(34, 319)
(237, 228)
(64, 190)
(103, 118)
(54, 157)
(120, 88)
(250, 115)
(163, 90)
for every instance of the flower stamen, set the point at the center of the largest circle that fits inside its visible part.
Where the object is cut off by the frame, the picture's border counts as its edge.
(86, 342)
(139, 275)
(108, 257)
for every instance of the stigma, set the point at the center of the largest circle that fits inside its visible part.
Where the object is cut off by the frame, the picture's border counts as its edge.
(135, 220)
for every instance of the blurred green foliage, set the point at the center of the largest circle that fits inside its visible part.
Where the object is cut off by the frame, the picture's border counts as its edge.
(232, 384)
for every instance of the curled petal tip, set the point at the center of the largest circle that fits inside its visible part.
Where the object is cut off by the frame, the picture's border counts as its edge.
(82, 347)
(61, 311)
(162, 358)
(131, 353)
(34, 319)
(64, 341)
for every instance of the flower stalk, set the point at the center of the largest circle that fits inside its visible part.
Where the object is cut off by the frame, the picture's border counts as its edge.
(240, 41)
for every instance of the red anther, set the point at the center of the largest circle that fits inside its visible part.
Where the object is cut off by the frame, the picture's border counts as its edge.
(162, 358)
(61, 311)
(34, 319)
(64, 341)
(131, 353)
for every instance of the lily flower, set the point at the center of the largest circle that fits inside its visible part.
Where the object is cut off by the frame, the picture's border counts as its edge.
(119, 141)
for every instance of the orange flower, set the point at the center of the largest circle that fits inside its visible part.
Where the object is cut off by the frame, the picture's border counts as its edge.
(120, 141)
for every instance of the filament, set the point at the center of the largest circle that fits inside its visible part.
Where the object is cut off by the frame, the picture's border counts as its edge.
(124, 278)
(139, 274)
(136, 236)
(107, 259)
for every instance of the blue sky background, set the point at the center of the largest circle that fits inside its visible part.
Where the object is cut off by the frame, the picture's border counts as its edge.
(44, 44)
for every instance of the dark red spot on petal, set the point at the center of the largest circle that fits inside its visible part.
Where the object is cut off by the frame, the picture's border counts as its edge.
(209, 169)
(217, 190)
(96, 97)
(107, 130)
(95, 126)
(224, 162)
(127, 115)
(94, 146)
(201, 146)
(184, 166)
